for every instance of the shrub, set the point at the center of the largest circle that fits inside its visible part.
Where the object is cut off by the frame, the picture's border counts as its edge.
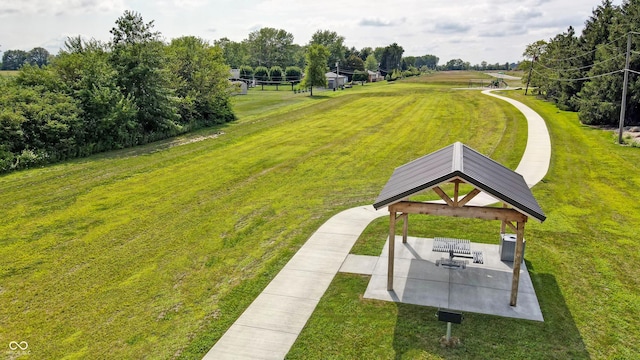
(276, 73)
(293, 73)
(261, 73)
(246, 72)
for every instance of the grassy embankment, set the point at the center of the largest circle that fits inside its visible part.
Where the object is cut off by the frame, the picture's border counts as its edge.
(154, 251)
(583, 262)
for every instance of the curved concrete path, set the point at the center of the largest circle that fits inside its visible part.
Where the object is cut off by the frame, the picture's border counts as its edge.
(271, 324)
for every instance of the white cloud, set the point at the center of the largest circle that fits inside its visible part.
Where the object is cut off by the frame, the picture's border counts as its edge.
(377, 22)
(58, 7)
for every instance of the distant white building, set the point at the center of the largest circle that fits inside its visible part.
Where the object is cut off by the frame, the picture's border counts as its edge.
(334, 80)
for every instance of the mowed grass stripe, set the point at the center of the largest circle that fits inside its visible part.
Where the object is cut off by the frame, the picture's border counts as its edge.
(133, 255)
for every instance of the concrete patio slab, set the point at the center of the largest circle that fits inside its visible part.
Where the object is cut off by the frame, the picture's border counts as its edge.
(481, 288)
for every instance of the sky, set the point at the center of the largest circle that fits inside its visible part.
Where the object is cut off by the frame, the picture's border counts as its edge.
(495, 31)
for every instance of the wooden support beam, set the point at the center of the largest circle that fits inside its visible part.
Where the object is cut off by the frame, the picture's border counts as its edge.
(392, 237)
(503, 225)
(475, 212)
(405, 228)
(468, 197)
(443, 195)
(512, 227)
(456, 192)
(515, 281)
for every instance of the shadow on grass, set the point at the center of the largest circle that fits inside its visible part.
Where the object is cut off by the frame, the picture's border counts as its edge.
(492, 337)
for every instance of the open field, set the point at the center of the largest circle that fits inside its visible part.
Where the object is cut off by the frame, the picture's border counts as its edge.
(583, 262)
(154, 251)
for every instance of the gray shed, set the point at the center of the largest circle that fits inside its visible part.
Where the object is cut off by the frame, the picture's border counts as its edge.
(459, 164)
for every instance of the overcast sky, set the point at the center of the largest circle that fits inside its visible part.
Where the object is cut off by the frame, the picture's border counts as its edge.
(472, 30)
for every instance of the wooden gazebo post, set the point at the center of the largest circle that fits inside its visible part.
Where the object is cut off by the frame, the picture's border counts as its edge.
(515, 280)
(392, 238)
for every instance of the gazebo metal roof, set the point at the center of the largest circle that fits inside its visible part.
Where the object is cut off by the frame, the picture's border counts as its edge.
(458, 161)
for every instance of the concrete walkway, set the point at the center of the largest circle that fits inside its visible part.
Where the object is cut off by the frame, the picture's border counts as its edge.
(271, 324)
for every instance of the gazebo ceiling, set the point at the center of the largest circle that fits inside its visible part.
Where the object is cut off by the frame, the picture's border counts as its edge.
(458, 161)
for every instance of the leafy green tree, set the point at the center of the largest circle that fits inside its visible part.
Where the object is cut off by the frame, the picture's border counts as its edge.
(200, 82)
(365, 52)
(430, 61)
(108, 115)
(391, 57)
(38, 57)
(235, 54)
(334, 44)
(13, 59)
(354, 63)
(138, 58)
(276, 73)
(269, 47)
(371, 63)
(315, 72)
(600, 98)
(297, 55)
(49, 119)
(377, 52)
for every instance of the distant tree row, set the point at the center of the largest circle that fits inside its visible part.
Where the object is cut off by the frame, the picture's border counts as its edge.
(269, 47)
(95, 97)
(275, 73)
(584, 73)
(15, 59)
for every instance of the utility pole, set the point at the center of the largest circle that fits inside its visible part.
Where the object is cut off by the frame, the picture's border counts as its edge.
(624, 90)
(529, 78)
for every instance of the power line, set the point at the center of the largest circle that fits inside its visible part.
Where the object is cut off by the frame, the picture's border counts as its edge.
(578, 79)
(581, 67)
(590, 51)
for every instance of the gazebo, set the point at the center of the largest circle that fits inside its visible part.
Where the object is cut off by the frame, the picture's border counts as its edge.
(459, 164)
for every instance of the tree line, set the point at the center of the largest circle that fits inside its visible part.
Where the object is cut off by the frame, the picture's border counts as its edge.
(95, 96)
(584, 73)
(269, 48)
(15, 59)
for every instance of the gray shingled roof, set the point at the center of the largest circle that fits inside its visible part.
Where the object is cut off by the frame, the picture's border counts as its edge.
(459, 160)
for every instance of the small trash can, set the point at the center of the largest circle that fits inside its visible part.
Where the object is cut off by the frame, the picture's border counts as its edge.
(508, 247)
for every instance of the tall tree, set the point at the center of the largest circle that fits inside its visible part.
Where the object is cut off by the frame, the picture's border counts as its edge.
(333, 42)
(108, 114)
(354, 62)
(599, 103)
(315, 72)
(200, 77)
(365, 52)
(235, 54)
(270, 47)
(38, 57)
(138, 57)
(392, 57)
(371, 63)
(13, 59)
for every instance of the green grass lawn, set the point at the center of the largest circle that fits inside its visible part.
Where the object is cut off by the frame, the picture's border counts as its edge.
(154, 251)
(583, 262)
